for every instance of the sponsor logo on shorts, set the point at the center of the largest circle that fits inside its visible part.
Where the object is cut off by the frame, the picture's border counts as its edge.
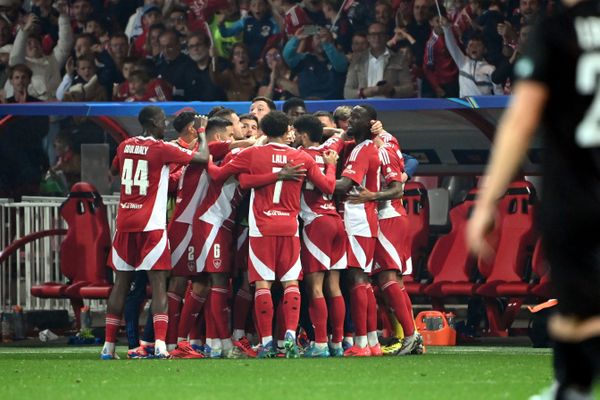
(217, 264)
(276, 213)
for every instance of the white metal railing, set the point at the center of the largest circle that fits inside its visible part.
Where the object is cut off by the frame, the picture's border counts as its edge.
(39, 261)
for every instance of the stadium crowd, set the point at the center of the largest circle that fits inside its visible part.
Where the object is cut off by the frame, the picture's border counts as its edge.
(218, 50)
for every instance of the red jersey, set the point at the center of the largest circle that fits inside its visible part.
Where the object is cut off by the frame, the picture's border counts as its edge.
(294, 19)
(193, 185)
(362, 167)
(144, 165)
(314, 202)
(222, 198)
(274, 207)
(392, 166)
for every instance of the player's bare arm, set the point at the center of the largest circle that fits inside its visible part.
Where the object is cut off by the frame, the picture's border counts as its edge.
(343, 185)
(515, 133)
(202, 155)
(394, 191)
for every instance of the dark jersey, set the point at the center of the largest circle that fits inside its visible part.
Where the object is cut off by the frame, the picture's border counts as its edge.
(565, 56)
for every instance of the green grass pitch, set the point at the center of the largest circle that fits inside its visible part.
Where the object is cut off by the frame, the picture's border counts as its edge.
(442, 373)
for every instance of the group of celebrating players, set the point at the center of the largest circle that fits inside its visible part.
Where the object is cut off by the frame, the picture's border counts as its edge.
(260, 206)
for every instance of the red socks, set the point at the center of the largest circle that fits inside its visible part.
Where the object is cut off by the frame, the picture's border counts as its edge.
(189, 313)
(291, 307)
(263, 306)
(112, 326)
(337, 313)
(318, 315)
(174, 304)
(241, 308)
(371, 310)
(161, 322)
(358, 303)
(396, 299)
(220, 311)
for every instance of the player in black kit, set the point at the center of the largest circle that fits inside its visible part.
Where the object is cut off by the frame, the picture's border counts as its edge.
(559, 89)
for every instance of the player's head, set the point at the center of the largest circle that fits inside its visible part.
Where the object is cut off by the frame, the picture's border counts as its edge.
(341, 115)
(476, 47)
(359, 124)
(214, 110)
(231, 116)
(326, 119)
(184, 123)
(261, 106)
(219, 129)
(275, 124)
(249, 125)
(371, 110)
(294, 107)
(309, 130)
(153, 121)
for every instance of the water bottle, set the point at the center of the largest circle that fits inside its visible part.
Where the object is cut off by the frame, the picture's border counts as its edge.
(18, 323)
(6, 335)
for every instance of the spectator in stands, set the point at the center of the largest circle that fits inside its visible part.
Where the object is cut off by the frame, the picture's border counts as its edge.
(341, 29)
(97, 28)
(293, 15)
(359, 44)
(249, 125)
(257, 27)
(138, 85)
(22, 158)
(294, 108)
(47, 18)
(261, 106)
(526, 14)
(151, 49)
(110, 62)
(239, 82)
(321, 73)
(439, 68)
(5, 34)
(134, 26)
(81, 10)
(504, 73)
(78, 74)
(200, 81)
(279, 83)
(475, 78)
(84, 45)
(385, 16)
(378, 72)
(173, 66)
(27, 49)
(178, 20)
(4, 55)
(419, 28)
(151, 15)
(314, 12)
(121, 91)
(229, 16)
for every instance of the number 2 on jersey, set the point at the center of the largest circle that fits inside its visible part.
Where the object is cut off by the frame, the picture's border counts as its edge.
(139, 178)
(587, 133)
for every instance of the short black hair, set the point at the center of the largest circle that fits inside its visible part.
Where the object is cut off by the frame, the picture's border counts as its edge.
(147, 115)
(249, 116)
(324, 114)
(214, 110)
(270, 103)
(216, 124)
(370, 110)
(275, 124)
(223, 113)
(183, 119)
(309, 124)
(293, 102)
(478, 37)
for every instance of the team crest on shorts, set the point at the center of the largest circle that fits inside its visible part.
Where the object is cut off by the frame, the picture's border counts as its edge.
(217, 264)
(191, 266)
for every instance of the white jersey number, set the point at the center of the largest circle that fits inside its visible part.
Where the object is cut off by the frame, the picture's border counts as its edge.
(278, 187)
(139, 178)
(587, 133)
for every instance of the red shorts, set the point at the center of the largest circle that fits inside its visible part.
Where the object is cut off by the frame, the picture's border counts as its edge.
(324, 245)
(183, 255)
(213, 246)
(241, 248)
(360, 252)
(392, 249)
(272, 257)
(135, 251)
